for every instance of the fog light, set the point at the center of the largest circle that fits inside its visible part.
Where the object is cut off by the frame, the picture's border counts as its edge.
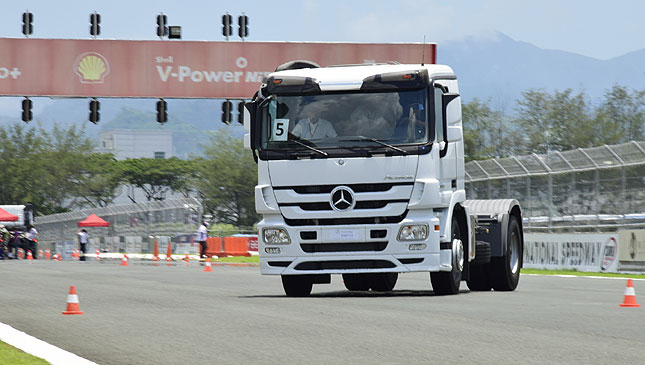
(413, 232)
(272, 250)
(276, 236)
(417, 246)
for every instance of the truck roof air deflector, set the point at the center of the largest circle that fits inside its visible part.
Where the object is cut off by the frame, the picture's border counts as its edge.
(414, 79)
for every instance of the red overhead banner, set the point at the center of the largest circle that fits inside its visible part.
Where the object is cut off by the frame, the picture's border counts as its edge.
(171, 69)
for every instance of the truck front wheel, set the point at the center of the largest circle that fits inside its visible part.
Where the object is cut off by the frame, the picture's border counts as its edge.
(506, 269)
(297, 285)
(357, 282)
(384, 281)
(443, 282)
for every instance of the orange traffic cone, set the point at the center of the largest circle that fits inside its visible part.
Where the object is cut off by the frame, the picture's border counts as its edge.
(169, 254)
(72, 302)
(29, 256)
(630, 295)
(208, 267)
(47, 254)
(98, 255)
(155, 253)
(124, 261)
(21, 253)
(40, 254)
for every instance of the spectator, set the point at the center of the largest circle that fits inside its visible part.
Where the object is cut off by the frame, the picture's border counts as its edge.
(14, 244)
(4, 241)
(83, 239)
(32, 237)
(202, 233)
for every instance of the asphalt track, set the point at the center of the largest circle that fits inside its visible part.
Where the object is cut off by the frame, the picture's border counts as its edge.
(142, 314)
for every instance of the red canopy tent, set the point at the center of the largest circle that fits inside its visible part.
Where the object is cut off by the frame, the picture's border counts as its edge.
(93, 221)
(7, 217)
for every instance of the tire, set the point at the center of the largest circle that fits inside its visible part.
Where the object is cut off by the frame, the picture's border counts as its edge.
(447, 283)
(357, 282)
(506, 270)
(297, 285)
(479, 278)
(384, 281)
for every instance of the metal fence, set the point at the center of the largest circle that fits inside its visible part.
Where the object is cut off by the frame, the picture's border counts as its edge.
(133, 227)
(591, 189)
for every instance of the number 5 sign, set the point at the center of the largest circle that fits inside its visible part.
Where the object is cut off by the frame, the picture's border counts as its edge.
(280, 130)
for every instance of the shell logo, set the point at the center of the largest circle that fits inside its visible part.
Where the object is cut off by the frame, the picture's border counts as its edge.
(91, 67)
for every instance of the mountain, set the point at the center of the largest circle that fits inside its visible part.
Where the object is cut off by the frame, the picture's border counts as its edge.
(500, 68)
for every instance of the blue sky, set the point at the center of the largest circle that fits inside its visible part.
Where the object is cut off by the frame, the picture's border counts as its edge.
(595, 28)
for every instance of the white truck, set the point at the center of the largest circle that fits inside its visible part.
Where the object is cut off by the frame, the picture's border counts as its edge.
(361, 173)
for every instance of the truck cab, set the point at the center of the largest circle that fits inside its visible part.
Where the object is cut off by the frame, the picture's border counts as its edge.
(361, 173)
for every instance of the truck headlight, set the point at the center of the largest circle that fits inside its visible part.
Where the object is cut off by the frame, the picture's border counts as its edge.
(413, 232)
(276, 236)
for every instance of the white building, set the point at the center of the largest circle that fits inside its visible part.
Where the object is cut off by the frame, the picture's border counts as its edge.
(131, 143)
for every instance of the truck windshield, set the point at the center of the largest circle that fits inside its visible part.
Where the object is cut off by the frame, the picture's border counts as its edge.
(341, 120)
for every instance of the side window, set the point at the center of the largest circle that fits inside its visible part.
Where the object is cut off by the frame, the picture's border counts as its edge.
(438, 113)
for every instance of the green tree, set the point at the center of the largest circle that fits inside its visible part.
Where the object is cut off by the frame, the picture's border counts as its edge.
(621, 117)
(42, 167)
(157, 177)
(226, 180)
(482, 129)
(101, 180)
(554, 122)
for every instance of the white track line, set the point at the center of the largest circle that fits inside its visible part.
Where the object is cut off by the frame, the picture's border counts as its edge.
(39, 348)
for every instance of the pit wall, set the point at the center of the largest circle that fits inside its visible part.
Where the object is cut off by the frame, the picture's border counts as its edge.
(622, 251)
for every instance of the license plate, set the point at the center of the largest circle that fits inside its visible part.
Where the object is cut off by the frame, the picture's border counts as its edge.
(344, 235)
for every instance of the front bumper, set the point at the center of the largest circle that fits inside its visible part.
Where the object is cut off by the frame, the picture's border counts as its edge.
(344, 249)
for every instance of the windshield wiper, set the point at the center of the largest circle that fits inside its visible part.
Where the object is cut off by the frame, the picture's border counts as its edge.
(363, 139)
(309, 147)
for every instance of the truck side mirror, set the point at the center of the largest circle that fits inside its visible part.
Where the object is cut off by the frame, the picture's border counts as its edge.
(452, 116)
(250, 124)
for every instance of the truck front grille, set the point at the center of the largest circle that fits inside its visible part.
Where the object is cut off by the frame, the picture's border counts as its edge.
(345, 221)
(358, 188)
(344, 247)
(367, 204)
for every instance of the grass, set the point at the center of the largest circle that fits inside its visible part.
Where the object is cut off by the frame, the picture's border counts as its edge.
(582, 273)
(12, 355)
(242, 259)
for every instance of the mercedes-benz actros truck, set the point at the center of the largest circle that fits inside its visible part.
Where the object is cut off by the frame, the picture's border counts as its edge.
(361, 173)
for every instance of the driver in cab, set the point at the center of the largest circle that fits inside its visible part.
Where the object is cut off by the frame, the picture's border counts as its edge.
(313, 127)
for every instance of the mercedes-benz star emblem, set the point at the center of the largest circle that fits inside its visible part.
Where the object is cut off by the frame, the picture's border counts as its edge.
(342, 199)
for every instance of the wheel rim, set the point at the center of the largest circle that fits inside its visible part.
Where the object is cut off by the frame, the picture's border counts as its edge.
(514, 262)
(458, 254)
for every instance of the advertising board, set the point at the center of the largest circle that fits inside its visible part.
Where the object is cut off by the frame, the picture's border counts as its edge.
(171, 69)
(580, 251)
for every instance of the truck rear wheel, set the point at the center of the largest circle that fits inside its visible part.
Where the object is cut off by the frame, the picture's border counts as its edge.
(297, 285)
(446, 283)
(384, 281)
(357, 282)
(480, 268)
(479, 278)
(506, 269)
